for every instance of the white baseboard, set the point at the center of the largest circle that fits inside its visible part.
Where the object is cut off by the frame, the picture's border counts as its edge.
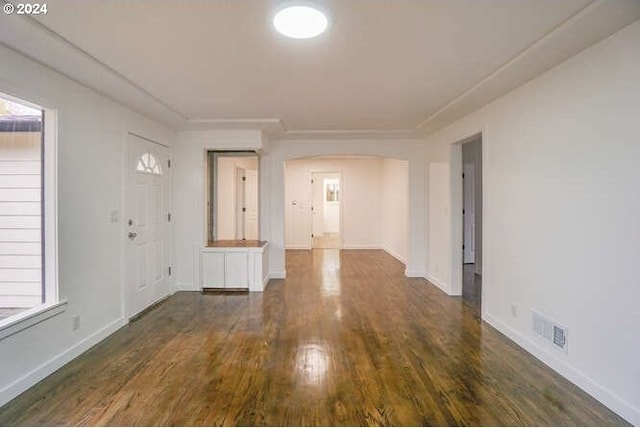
(278, 274)
(361, 247)
(562, 367)
(414, 273)
(186, 287)
(20, 385)
(438, 283)
(394, 255)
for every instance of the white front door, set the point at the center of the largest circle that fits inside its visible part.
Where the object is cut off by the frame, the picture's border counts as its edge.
(469, 213)
(251, 204)
(147, 224)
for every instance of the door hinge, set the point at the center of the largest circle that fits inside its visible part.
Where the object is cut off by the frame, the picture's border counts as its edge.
(463, 175)
(312, 181)
(463, 211)
(169, 270)
(463, 246)
(168, 163)
(244, 178)
(168, 216)
(244, 210)
(312, 235)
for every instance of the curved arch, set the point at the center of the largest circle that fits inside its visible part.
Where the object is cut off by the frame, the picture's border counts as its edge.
(412, 151)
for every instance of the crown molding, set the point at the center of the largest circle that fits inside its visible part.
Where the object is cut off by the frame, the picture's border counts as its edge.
(593, 23)
(34, 40)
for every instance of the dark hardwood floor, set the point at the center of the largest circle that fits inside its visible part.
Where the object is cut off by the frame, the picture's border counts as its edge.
(346, 339)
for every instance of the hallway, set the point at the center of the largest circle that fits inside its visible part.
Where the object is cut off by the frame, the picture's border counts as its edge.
(346, 339)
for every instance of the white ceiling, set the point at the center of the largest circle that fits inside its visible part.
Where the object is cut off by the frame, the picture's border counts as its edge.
(383, 67)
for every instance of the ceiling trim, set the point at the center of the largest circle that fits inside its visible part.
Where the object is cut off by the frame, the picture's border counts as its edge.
(36, 41)
(275, 127)
(594, 22)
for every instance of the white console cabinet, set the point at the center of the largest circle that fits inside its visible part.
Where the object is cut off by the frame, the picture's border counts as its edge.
(234, 265)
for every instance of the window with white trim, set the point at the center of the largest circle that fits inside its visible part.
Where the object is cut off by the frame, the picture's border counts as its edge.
(28, 279)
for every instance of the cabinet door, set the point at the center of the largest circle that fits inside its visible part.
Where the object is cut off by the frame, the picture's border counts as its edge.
(236, 270)
(213, 269)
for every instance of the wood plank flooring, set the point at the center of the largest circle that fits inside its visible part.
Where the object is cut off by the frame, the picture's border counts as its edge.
(346, 339)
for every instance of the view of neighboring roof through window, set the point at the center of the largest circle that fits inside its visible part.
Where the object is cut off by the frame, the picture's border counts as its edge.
(21, 266)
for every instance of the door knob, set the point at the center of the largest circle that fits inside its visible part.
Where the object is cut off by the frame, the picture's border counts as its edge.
(132, 235)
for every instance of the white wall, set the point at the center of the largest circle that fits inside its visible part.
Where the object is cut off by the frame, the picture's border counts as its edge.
(439, 225)
(189, 179)
(394, 207)
(561, 204)
(361, 200)
(91, 147)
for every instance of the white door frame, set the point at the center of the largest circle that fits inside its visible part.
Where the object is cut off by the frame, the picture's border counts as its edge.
(456, 168)
(341, 198)
(124, 203)
(468, 212)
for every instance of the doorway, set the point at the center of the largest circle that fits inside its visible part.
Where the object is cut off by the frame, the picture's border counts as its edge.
(472, 223)
(325, 210)
(147, 224)
(232, 195)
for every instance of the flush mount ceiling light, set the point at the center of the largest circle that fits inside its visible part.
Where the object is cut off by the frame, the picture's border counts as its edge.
(300, 22)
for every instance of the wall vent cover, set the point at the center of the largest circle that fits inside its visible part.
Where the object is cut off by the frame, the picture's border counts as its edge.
(550, 331)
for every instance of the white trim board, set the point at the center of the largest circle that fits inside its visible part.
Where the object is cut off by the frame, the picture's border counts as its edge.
(362, 247)
(31, 317)
(25, 382)
(438, 283)
(588, 385)
(183, 286)
(394, 255)
(414, 274)
(278, 274)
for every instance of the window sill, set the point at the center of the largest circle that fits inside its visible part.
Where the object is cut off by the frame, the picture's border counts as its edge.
(18, 322)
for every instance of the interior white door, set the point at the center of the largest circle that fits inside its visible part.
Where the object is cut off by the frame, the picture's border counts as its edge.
(147, 221)
(251, 204)
(317, 204)
(469, 213)
(239, 203)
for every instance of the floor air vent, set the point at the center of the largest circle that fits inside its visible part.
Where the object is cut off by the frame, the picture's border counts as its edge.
(550, 331)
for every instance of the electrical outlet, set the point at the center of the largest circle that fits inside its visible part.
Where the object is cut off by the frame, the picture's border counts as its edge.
(75, 322)
(514, 311)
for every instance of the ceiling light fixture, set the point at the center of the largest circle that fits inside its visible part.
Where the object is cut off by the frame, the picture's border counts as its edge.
(300, 22)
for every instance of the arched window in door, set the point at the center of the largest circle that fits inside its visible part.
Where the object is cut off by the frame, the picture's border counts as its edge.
(149, 164)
